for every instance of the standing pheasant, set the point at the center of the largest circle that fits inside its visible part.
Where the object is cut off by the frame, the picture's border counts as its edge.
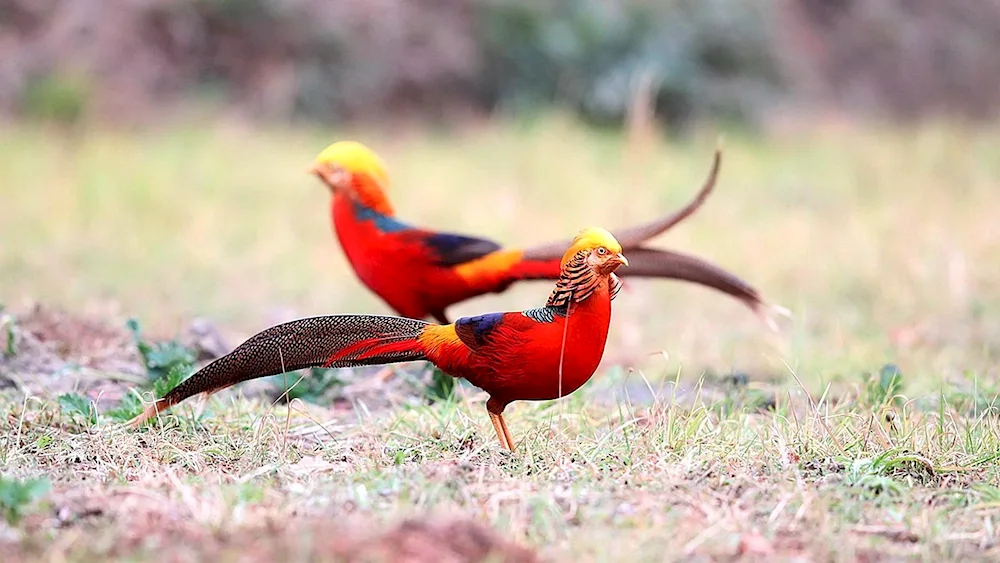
(420, 273)
(533, 355)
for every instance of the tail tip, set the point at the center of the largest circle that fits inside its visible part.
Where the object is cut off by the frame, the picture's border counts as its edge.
(720, 143)
(769, 313)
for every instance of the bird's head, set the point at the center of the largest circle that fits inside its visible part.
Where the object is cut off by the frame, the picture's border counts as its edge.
(599, 248)
(351, 168)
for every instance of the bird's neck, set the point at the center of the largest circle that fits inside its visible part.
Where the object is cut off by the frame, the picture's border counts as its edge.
(368, 193)
(578, 281)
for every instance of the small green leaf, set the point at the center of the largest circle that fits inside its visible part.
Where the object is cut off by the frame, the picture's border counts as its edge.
(161, 357)
(441, 386)
(172, 379)
(8, 334)
(133, 327)
(73, 404)
(17, 496)
(883, 388)
(890, 379)
(129, 408)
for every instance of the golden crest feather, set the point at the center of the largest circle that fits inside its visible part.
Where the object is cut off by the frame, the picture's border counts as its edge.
(355, 158)
(590, 238)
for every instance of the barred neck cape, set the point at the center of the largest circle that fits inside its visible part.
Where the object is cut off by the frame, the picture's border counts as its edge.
(578, 281)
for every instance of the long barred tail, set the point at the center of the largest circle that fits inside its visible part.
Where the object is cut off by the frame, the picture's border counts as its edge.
(647, 262)
(303, 343)
(664, 264)
(542, 261)
(670, 265)
(638, 235)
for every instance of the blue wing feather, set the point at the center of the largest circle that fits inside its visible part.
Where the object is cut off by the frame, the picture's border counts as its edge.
(384, 223)
(475, 331)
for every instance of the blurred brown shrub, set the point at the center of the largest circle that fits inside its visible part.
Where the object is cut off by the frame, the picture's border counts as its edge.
(268, 57)
(345, 59)
(904, 58)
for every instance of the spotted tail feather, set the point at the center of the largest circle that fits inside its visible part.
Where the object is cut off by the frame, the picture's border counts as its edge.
(303, 343)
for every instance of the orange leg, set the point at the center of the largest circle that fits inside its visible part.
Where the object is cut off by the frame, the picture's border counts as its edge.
(501, 428)
(506, 432)
(495, 408)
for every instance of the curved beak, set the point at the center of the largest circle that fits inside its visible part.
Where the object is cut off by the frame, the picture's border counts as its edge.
(620, 259)
(321, 171)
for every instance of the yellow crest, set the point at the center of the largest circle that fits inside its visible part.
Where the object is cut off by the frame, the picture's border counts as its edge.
(589, 239)
(356, 159)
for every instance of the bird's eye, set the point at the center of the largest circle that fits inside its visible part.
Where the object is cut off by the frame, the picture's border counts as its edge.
(602, 251)
(338, 175)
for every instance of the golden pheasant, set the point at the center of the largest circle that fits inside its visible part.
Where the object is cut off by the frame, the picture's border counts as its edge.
(532, 355)
(420, 273)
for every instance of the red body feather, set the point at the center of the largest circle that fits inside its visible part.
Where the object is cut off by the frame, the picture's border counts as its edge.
(520, 358)
(526, 360)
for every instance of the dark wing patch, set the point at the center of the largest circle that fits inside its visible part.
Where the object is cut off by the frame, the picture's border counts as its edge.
(474, 331)
(451, 249)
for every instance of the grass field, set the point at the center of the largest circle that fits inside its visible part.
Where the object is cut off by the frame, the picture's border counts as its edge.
(724, 441)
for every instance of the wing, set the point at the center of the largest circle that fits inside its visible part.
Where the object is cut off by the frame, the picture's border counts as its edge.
(450, 249)
(476, 332)
(447, 249)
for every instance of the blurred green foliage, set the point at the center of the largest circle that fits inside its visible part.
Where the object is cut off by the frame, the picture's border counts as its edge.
(57, 97)
(330, 61)
(703, 57)
(17, 496)
(334, 61)
(8, 334)
(168, 360)
(78, 408)
(883, 388)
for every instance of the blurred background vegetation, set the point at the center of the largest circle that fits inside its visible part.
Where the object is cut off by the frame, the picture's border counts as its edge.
(443, 60)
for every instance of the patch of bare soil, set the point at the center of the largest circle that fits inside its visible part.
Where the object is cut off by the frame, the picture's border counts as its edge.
(48, 339)
(57, 352)
(443, 541)
(83, 534)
